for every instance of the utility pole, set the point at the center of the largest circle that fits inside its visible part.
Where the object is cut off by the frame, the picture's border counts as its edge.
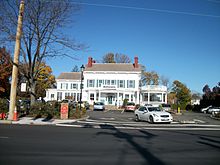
(15, 62)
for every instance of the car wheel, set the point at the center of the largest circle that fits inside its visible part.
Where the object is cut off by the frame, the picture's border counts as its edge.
(151, 119)
(137, 118)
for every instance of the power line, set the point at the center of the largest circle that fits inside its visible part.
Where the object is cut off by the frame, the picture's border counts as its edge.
(147, 9)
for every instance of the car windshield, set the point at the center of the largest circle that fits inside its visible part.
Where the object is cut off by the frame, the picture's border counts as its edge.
(99, 103)
(130, 104)
(166, 105)
(154, 109)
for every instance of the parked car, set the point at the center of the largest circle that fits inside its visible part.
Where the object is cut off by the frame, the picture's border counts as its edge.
(130, 106)
(99, 106)
(152, 115)
(205, 110)
(166, 107)
(214, 110)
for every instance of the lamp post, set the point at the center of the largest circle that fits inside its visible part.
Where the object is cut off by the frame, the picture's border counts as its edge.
(80, 98)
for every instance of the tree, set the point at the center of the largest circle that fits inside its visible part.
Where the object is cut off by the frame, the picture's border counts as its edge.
(108, 58)
(75, 69)
(45, 80)
(122, 58)
(164, 81)
(211, 97)
(115, 58)
(5, 72)
(42, 36)
(151, 78)
(183, 94)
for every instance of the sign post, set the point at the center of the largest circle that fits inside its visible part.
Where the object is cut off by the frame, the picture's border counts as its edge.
(64, 111)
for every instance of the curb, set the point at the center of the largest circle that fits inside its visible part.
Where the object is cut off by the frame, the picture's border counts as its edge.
(5, 122)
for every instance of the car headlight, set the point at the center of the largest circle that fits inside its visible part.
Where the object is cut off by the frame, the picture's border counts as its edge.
(155, 115)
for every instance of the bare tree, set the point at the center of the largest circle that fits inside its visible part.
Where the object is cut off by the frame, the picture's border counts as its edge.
(42, 37)
(108, 58)
(164, 81)
(122, 58)
(115, 58)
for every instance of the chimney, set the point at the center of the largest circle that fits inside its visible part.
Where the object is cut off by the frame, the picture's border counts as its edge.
(89, 62)
(135, 62)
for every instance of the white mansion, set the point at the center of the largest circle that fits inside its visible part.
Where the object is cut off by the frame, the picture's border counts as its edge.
(109, 83)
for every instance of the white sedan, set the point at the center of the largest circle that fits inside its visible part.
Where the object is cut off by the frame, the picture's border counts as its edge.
(152, 115)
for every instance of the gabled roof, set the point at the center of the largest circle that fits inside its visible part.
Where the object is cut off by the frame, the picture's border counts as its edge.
(126, 67)
(70, 75)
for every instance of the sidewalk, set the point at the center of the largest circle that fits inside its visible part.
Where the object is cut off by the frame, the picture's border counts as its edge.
(39, 121)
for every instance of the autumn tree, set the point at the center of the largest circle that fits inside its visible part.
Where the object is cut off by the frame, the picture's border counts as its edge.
(42, 37)
(115, 58)
(5, 72)
(182, 93)
(45, 80)
(151, 78)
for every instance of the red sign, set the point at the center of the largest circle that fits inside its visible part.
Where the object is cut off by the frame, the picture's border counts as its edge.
(64, 111)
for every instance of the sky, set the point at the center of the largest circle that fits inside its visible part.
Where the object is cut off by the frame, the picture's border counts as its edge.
(179, 39)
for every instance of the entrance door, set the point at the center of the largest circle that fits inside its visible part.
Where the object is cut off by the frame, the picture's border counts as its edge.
(109, 99)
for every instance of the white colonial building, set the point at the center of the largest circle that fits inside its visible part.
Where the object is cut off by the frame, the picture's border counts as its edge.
(110, 83)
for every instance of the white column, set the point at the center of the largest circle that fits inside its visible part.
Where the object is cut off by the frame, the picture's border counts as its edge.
(148, 98)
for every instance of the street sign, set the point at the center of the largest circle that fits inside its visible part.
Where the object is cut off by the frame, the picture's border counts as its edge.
(64, 111)
(23, 87)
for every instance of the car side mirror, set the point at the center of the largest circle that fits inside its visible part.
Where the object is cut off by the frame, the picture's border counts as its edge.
(145, 111)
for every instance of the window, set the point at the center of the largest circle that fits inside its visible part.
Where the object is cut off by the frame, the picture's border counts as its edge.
(127, 96)
(164, 97)
(52, 96)
(121, 83)
(59, 95)
(145, 97)
(67, 95)
(156, 97)
(113, 82)
(107, 82)
(91, 83)
(91, 96)
(64, 85)
(99, 83)
(130, 84)
(132, 97)
(74, 86)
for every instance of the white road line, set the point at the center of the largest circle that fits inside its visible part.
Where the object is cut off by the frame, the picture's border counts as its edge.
(4, 137)
(142, 128)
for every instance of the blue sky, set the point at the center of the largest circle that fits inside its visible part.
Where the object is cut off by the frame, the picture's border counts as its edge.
(179, 39)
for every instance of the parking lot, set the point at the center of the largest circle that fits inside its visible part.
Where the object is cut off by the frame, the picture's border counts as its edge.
(186, 117)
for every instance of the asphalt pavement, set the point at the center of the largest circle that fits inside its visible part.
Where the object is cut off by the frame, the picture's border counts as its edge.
(31, 144)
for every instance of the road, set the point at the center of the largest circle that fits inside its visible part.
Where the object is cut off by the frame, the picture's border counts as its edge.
(28, 144)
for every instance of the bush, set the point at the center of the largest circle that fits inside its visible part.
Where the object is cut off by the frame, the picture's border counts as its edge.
(4, 105)
(76, 113)
(124, 103)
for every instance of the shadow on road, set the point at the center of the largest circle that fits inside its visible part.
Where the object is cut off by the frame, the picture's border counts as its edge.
(144, 152)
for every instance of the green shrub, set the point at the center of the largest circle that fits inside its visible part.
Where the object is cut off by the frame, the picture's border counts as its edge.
(124, 103)
(4, 105)
(75, 113)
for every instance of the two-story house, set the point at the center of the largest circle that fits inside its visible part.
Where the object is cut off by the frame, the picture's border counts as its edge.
(110, 83)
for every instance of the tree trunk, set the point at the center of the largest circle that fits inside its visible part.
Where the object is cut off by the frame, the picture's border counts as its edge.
(32, 91)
